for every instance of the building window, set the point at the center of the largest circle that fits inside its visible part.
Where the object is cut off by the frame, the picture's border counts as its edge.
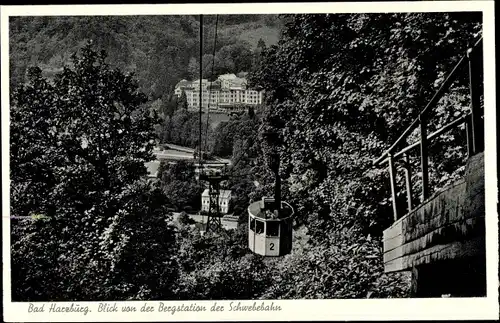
(252, 224)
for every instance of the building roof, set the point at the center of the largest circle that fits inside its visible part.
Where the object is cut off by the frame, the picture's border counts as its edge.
(238, 83)
(227, 76)
(224, 82)
(215, 85)
(203, 81)
(234, 82)
(222, 193)
(183, 83)
(225, 193)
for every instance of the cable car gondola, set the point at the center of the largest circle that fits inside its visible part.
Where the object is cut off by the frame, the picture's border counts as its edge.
(270, 229)
(270, 220)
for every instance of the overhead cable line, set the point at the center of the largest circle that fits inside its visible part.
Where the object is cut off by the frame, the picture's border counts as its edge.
(200, 156)
(211, 78)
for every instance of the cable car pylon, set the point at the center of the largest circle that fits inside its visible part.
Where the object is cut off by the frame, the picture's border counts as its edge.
(214, 179)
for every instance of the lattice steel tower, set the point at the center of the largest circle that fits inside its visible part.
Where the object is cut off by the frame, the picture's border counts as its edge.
(214, 180)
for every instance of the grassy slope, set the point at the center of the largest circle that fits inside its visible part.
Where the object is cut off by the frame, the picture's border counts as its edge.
(253, 31)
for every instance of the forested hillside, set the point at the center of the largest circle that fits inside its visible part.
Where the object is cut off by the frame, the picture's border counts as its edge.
(340, 88)
(161, 50)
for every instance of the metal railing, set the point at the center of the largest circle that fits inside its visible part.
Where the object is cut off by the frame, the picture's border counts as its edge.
(474, 127)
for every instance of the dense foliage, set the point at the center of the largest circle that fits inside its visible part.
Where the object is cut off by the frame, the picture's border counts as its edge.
(183, 128)
(179, 184)
(340, 89)
(78, 148)
(212, 263)
(234, 135)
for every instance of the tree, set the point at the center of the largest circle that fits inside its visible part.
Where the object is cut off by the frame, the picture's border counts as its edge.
(169, 105)
(184, 219)
(157, 106)
(261, 44)
(212, 262)
(226, 59)
(182, 102)
(222, 142)
(212, 63)
(181, 170)
(193, 68)
(78, 149)
(251, 112)
(242, 56)
(179, 184)
(241, 129)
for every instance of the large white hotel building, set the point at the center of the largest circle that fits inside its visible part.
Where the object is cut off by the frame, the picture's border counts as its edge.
(228, 93)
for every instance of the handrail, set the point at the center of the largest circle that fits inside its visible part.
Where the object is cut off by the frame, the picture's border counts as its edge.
(433, 135)
(473, 121)
(436, 97)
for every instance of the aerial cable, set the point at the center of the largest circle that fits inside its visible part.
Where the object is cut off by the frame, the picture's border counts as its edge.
(211, 78)
(201, 88)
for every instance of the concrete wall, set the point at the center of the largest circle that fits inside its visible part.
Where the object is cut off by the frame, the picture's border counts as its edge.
(449, 225)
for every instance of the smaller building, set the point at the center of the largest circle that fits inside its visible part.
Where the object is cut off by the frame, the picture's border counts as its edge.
(224, 201)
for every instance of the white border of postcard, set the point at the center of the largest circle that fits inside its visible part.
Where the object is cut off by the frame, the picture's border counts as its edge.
(369, 309)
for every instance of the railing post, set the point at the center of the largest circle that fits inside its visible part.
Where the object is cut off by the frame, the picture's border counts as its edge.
(475, 67)
(409, 191)
(468, 132)
(392, 176)
(423, 158)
